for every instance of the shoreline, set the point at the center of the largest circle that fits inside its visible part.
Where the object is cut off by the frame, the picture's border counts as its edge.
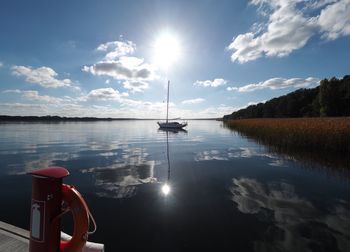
(7, 118)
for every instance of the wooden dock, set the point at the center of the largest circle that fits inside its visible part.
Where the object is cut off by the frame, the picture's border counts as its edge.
(16, 239)
(13, 238)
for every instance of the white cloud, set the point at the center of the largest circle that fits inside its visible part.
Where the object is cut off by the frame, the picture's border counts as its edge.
(22, 109)
(193, 101)
(222, 110)
(116, 49)
(287, 30)
(131, 62)
(232, 88)
(119, 64)
(135, 86)
(1, 64)
(33, 95)
(334, 20)
(70, 110)
(277, 83)
(129, 68)
(211, 83)
(128, 108)
(115, 104)
(214, 112)
(245, 48)
(289, 27)
(316, 4)
(44, 76)
(105, 94)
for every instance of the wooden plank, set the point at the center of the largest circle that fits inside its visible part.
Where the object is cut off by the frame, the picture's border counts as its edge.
(12, 242)
(16, 239)
(13, 229)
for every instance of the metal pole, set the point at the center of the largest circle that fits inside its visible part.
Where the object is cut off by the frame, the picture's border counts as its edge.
(167, 103)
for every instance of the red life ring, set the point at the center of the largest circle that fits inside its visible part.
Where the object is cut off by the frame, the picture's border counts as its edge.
(80, 211)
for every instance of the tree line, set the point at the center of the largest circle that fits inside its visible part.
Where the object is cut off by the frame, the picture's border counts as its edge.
(330, 98)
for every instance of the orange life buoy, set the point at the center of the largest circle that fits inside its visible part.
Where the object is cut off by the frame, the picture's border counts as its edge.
(80, 211)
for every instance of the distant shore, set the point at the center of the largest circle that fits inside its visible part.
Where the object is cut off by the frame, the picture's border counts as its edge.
(7, 118)
(56, 118)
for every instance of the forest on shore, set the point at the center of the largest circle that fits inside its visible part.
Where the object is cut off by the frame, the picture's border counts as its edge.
(330, 99)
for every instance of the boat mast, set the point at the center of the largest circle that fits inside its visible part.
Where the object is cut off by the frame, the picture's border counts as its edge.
(167, 103)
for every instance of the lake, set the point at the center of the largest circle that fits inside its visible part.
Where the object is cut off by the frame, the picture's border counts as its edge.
(226, 192)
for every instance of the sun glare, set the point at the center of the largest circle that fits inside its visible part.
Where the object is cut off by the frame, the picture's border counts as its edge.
(167, 49)
(166, 189)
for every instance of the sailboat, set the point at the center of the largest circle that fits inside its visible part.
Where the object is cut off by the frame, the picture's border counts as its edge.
(167, 124)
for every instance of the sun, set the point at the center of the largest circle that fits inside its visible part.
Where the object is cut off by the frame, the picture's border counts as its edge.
(166, 49)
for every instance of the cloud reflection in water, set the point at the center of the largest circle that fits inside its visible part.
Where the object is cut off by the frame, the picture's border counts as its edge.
(39, 160)
(295, 224)
(242, 152)
(117, 167)
(120, 179)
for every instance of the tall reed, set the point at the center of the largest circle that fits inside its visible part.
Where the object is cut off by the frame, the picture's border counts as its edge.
(314, 134)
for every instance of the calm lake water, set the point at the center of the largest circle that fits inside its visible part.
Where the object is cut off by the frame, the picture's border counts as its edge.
(227, 193)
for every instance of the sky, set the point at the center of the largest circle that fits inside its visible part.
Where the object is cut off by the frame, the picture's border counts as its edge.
(113, 58)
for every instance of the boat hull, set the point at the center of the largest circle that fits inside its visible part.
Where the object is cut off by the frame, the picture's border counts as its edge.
(171, 125)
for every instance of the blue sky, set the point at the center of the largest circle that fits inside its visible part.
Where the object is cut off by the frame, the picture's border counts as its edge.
(98, 58)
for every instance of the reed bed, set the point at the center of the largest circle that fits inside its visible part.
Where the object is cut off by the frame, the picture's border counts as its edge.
(313, 134)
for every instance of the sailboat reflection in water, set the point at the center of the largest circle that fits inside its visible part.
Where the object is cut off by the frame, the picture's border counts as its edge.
(166, 188)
